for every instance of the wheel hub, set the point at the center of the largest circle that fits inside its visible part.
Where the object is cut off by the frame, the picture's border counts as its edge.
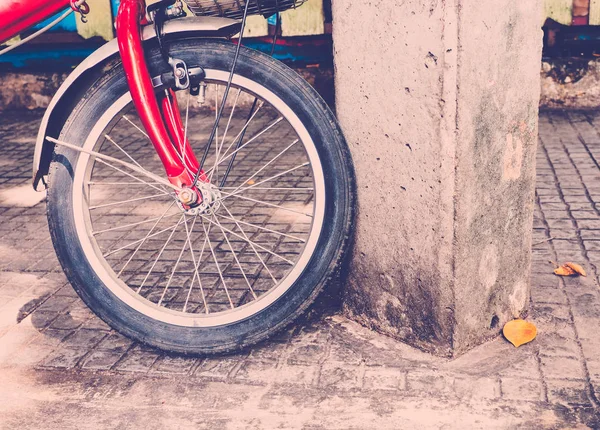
(211, 199)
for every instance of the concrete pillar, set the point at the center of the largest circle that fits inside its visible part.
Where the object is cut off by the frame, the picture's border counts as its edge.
(439, 101)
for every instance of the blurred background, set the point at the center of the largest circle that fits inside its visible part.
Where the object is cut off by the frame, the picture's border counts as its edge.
(32, 73)
(570, 69)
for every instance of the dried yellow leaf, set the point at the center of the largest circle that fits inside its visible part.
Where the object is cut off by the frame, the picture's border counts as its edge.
(251, 182)
(577, 268)
(519, 332)
(564, 271)
(570, 269)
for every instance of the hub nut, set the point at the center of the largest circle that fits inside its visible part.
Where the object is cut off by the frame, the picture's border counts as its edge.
(188, 197)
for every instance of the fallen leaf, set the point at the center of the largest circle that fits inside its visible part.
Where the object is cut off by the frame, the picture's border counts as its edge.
(577, 268)
(564, 271)
(570, 269)
(251, 182)
(519, 332)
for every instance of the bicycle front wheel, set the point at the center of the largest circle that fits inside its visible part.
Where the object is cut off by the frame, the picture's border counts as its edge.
(229, 274)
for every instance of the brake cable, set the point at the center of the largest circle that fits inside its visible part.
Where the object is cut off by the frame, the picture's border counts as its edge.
(241, 138)
(225, 95)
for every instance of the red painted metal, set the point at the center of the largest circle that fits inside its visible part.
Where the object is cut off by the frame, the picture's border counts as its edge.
(128, 22)
(19, 15)
(581, 12)
(580, 20)
(175, 127)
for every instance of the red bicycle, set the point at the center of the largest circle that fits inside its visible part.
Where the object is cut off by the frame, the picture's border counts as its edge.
(200, 194)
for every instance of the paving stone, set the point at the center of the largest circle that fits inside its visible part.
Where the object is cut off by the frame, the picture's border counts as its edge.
(468, 388)
(558, 367)
(431, 382)
(593, 367)
(67, 291)
(313, 357)
(115, 342)
(297, 375)
(586, 327)
(66, 322)
(217, 368)
(555, 345)
(311, 354)
(268, 351)
(554, 311)
(522, 389)
(101, 360)
(340, 377)
(344, 352)
(32, 353)
(95, 323)
(174, 365)
(256, 372)
(56, 335)
(56, 303)
(84, 338)
(548, 295)
(64, 358)
(384, 378)
(137, 361)
(572, 392)
(42, 319)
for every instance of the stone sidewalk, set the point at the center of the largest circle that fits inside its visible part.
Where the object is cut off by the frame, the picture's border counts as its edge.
(61, 367)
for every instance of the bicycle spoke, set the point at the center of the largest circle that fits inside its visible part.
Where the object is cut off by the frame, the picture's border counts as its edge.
(105, 158)
(160, 253)
(237, 97)
(266, 165)
(140, 240)
(251, 245)
(196, 266)
(244, 128)
(122, 150)
(263, 228)
(290, 189)
(249, 241)
(147, 236)
(220, 146)
(127, 154)
(122, 202)
(268, 204)
(241, 190)
(185, 245)
(130, 175)
(121, 184)
(217, 264)
(136, 126)
(256, 136)
(196, 274)
(235, 257)
(120, 227)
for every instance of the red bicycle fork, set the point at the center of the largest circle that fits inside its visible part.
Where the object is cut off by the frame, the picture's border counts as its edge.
(159, 115)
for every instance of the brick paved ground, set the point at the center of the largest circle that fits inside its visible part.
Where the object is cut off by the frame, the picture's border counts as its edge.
(61, 366)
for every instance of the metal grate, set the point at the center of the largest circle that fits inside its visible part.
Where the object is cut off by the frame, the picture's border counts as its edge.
(235, 8)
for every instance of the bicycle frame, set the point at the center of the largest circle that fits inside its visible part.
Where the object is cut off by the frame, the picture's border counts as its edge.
(19, 15)
(159, 115)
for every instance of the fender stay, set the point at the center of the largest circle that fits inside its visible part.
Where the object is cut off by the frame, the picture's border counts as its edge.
(54, 117)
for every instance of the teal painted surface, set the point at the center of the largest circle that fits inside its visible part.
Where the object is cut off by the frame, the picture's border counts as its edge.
(37, 57)
(48, 60)
(67, 24)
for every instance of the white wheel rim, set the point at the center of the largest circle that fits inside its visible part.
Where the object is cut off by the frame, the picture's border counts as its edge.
(144, 306)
